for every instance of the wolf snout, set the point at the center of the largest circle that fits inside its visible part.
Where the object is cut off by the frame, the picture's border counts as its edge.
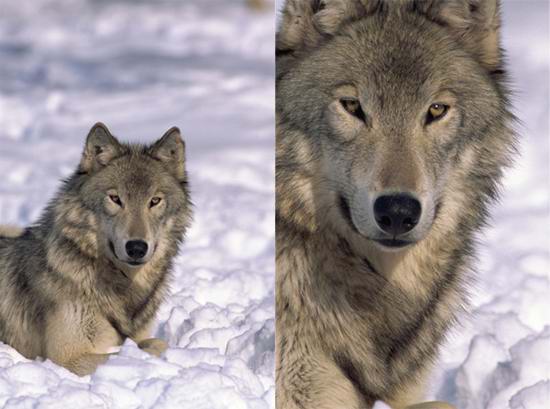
(397, 214)
(136, 249)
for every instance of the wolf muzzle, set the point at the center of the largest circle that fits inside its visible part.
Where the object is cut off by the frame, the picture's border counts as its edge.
(136, 249)
(396, 215)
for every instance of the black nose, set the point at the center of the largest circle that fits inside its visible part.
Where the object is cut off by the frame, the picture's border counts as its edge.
(136, 249)
(397, 214)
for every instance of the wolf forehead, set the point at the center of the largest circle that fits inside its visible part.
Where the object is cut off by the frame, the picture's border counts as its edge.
(135, 169)
(389, 34)
(385, 56)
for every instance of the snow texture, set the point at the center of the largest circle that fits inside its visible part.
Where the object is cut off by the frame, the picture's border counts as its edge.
(141, 67)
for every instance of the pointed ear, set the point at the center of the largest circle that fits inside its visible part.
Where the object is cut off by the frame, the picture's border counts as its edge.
(170, 149)
(101, 147)
(305, 23)
(475, 24)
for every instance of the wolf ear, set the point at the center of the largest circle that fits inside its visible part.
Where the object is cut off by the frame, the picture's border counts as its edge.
(475, 23)
(305, 23)
(101, 147)
(170, 149)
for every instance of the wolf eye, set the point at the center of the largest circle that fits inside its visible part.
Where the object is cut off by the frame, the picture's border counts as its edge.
(154, 201)
(436, 112)
(116, 199)
(353, 106)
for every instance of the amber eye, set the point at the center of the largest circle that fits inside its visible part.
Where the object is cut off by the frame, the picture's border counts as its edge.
(154, 201)
(116, 199)
(436, 112)
(353, 106)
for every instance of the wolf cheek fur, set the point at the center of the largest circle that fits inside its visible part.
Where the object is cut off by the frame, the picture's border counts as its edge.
(95, 267)
(403, 104)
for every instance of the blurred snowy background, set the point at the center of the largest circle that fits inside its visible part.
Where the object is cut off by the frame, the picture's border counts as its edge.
(141, 67)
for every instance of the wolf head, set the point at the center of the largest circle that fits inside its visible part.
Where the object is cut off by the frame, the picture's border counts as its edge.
(137, 195)
(383, 106)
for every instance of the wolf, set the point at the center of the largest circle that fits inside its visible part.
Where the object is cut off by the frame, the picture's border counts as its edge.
(93, 270)
(394, 127)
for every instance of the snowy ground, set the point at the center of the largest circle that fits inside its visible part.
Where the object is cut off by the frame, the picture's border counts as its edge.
(206, 66)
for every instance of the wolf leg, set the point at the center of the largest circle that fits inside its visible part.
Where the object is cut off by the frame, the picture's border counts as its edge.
(410, 394)
(315, 383)
(76, 339)
(154, 346)
(431, 405)
(86, 364)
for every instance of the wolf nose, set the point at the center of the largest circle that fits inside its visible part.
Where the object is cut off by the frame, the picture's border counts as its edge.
(397, 214)
(136, 249)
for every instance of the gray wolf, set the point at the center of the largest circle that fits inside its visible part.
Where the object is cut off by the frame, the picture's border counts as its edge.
(393, 130)
(93, 270)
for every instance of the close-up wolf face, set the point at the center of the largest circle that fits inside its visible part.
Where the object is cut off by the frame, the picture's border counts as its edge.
(390, 108)
(136, 193)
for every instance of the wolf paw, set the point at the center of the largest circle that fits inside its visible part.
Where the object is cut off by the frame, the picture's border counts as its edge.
(153, 346)
(431, 405)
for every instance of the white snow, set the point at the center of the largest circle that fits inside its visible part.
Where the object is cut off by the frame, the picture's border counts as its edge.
(141, 67)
